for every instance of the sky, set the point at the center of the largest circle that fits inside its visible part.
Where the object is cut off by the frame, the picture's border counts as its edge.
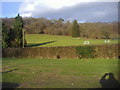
(87, 11)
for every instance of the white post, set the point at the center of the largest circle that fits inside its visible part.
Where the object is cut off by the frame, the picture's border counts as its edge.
(105, 41)
(84, 42)
(88, 42)
(23, 38)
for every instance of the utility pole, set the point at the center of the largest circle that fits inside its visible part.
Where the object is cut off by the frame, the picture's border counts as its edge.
(23, 37)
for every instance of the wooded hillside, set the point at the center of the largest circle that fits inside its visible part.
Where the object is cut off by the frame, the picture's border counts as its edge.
(61, 27)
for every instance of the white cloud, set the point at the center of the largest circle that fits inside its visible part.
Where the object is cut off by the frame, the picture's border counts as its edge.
(57, 0)
(56, 4)
(53, 8)
(28, 8)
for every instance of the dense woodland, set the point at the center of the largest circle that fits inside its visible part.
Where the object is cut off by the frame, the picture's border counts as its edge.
(12, 36)
(61, 27)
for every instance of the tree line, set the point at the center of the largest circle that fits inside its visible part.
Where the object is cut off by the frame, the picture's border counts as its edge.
(96, 30)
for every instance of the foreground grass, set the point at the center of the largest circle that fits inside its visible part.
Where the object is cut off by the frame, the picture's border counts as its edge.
(57, 73)
(38, 40)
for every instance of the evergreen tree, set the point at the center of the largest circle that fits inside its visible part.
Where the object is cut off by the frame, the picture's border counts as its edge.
(5, 37)
(18, 27)
(75, 29)
(11, 35)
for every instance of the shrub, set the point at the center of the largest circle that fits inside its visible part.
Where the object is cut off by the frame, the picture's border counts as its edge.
(68, 52)
(85, 51)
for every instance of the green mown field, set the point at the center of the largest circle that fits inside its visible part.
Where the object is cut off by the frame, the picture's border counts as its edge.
(56, 73)
(37, 40)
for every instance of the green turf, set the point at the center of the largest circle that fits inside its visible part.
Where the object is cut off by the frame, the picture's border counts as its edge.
(54, 40)
(57, 73)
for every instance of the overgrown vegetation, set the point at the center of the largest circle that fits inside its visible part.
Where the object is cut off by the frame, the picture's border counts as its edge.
(85, 51)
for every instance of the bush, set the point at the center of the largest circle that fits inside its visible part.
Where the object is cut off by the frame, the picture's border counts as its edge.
(68, 52)
(85, 51)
